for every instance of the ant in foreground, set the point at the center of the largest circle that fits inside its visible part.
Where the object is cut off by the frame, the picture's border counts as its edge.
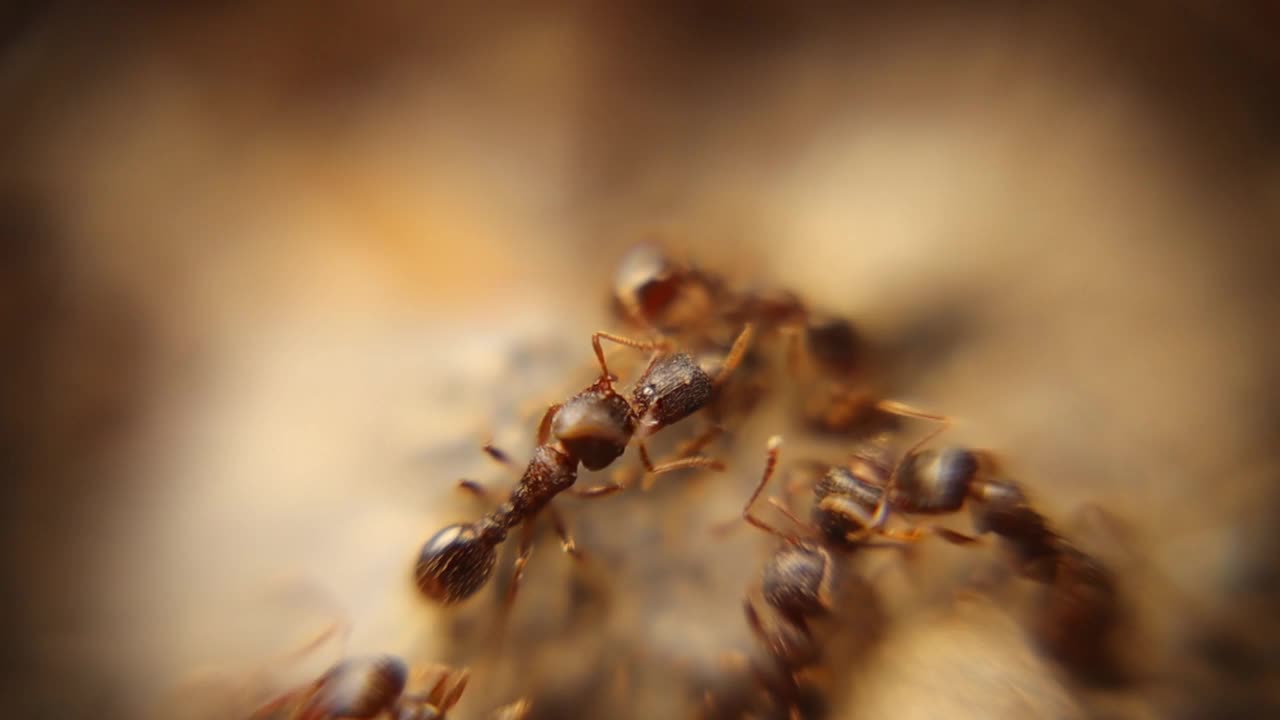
(800, 581)
(594, 428)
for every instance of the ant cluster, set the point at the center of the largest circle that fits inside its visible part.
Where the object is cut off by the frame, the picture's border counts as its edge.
(707, 344)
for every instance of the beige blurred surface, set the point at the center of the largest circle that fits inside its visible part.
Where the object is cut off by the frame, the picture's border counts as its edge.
(277, 274)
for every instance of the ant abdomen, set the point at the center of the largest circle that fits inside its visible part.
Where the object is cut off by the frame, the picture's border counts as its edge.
(1080, 612)
(673, 388)
(936, 481)
(455, 563)
(360, 687)
(797, 582)
(595, 427)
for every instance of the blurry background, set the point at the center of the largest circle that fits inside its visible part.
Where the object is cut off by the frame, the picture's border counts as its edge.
(273, 271)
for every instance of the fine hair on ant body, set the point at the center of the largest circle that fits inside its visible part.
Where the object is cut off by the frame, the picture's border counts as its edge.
(594, 428)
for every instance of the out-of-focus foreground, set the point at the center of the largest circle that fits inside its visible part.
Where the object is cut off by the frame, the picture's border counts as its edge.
(273, 272)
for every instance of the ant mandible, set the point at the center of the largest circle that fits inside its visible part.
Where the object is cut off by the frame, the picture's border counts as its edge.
(594, 427)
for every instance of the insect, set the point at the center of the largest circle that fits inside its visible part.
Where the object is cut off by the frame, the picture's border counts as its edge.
(803, 578)
(368, 687)
(1078, 608)
(594, 428)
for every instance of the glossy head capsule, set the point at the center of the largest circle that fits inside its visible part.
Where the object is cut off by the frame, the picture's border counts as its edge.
(359, 688)
(797, 582)
(673, 388)
(454, 564)
(595, 427)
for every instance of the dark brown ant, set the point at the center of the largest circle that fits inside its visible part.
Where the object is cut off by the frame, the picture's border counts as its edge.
(1079, 607)
(827, 357)
(800, 580)
(594, 427)
(368, 687)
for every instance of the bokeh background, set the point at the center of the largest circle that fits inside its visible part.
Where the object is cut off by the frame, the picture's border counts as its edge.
(273, 271)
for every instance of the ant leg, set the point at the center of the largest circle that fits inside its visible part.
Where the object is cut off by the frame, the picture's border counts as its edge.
(452, 697)
(699, 441)
(786, 511)
(475, 489)
(597, 491)
(518, 710)
(848, 508)
(544, 425)
(734, 358)
(599, 335)
(523, 551)
(670, 465)
(338, 627)
(770, 464)
(562, 531)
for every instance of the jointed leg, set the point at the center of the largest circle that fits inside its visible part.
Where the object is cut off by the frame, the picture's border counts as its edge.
(770, 464)
(597, 491)
(736, 352)
(522, 558)
(850, 509)
(475, 489)
(567, 542)
(599, 335)
(683, 463)
(699, 441)
(897, 408)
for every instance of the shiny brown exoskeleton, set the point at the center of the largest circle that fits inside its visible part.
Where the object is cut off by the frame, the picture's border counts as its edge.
(594, 427)
(368, 687)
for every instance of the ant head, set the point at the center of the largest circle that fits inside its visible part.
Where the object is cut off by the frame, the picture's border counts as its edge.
(833, 343)
(647, 281)
(939, 480)
(673, 388)
(361, 687)
(454, 564)
(595, 426)
(797, 581)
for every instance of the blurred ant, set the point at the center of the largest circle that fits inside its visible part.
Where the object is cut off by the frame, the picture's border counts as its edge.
(799, 581)
(1079, 607)
(368, 687)
(826, 355)
(594, 427)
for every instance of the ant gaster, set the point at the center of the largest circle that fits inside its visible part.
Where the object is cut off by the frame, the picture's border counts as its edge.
(594, 427)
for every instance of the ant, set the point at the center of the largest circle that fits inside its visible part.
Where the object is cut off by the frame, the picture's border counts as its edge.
(799, 582)
(368, 687)
(826, 355)
(594, 428)
(1079, 607)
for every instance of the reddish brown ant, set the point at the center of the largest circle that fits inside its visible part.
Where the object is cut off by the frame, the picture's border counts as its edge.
(594, 427)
